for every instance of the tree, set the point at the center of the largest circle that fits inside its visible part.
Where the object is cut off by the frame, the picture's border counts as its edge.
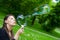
(20, 6)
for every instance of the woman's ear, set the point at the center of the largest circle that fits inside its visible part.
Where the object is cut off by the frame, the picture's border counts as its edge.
(6, 21)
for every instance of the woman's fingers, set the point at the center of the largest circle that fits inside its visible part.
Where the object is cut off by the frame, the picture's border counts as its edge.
(21, 29)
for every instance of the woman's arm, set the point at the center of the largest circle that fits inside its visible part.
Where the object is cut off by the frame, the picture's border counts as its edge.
(19, 32)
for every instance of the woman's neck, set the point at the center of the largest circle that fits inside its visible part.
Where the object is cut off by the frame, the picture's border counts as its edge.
(9, 27)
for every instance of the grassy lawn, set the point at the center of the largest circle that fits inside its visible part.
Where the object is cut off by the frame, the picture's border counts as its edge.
(30, 34)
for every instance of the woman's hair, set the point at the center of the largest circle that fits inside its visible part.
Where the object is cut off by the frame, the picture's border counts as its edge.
(5, 25)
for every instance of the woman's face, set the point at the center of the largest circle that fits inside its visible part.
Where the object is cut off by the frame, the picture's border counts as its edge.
(11, 20)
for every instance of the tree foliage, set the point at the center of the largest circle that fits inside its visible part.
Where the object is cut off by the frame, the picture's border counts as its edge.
(20, 6)
(52, 20)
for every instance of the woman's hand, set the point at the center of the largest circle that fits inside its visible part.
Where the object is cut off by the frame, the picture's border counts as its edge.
(20, 31)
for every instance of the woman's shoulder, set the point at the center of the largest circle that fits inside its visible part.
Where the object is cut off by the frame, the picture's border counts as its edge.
(2, 30)
(3, 34)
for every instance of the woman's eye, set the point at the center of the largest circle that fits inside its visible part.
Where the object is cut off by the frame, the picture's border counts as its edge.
(11, 18)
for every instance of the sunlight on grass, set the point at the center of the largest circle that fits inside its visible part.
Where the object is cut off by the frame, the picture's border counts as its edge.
(32, 35)
(57, 30)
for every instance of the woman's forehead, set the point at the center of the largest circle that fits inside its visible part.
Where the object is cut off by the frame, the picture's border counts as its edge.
(11, 17)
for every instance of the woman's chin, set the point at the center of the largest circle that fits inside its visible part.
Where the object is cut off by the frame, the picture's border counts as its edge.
(13, 24)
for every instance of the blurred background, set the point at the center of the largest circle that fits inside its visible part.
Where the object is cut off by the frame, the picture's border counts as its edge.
(43, 17)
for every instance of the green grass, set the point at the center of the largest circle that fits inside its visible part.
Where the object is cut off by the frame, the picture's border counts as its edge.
(57, 30)
(38, 27)
(30, 34)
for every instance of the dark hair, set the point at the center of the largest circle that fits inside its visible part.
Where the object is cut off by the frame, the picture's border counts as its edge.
(5, 26)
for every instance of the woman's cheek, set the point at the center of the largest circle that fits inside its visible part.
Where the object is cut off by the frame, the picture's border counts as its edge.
(13, 23)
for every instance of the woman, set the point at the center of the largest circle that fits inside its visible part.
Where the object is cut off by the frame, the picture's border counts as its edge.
(6, 32)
